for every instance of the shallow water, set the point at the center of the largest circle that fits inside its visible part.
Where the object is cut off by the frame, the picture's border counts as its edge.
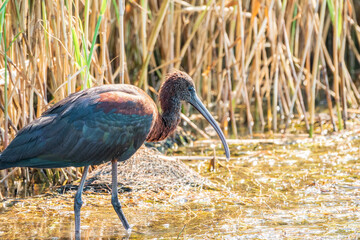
(283, 188)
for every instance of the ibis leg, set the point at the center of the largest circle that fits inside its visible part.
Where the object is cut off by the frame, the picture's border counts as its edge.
(114, 196)
(78, 202)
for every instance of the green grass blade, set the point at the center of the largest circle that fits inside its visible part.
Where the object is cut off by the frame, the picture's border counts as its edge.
(3, 6)
(79, 60)
(3, 29)
(46, 33)
(293, 29)
(88, 60)
(2, 20)
(116, 10)
(330, 5)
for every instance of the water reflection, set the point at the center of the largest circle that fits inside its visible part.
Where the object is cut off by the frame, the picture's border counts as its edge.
(22, 189)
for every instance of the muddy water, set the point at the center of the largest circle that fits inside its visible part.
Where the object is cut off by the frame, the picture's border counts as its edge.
(282, 188)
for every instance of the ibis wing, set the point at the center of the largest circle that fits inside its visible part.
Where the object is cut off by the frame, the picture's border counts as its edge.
(82, 132)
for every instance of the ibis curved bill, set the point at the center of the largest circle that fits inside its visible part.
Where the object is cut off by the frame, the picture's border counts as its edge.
(196, 103)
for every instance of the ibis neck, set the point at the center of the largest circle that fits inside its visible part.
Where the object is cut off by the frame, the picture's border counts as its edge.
(165, 123)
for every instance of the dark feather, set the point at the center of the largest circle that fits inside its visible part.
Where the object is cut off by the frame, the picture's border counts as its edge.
(82, 130)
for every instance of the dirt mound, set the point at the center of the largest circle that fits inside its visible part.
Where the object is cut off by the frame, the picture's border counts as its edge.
(148, 169)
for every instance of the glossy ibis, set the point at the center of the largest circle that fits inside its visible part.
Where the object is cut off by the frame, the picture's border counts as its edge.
(101, 124)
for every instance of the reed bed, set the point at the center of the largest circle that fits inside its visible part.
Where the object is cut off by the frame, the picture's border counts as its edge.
(255, 63)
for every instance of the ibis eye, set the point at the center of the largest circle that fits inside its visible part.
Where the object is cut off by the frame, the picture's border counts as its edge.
(191, 89)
